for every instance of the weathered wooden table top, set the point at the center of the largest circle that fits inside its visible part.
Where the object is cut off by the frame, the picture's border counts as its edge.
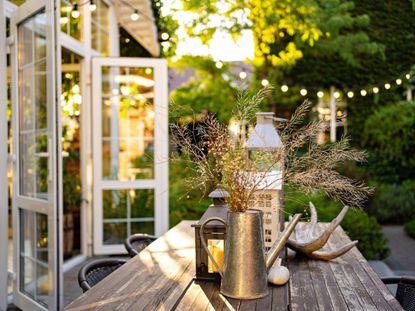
(161, 278)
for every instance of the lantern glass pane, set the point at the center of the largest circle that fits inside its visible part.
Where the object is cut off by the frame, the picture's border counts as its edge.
(216, 248)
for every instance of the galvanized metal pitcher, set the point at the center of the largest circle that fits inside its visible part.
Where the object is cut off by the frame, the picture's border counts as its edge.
(246, 264)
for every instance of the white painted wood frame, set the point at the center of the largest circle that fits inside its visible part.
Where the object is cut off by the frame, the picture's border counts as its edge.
(160, 182)
(4, 201)
(49, 206)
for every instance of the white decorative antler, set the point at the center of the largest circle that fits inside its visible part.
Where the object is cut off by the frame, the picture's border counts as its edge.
(309, 242)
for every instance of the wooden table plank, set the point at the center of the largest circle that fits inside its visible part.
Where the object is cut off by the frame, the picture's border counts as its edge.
(166, 265)
(161, 278)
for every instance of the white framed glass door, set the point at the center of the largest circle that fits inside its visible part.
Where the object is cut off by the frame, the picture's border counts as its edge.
(35, 141)
(130, 150)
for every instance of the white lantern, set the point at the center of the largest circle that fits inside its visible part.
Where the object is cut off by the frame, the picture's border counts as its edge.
(269, 194)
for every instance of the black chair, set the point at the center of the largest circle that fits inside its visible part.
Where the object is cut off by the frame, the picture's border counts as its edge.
(405, 293)
(95, 271)
(137, 242)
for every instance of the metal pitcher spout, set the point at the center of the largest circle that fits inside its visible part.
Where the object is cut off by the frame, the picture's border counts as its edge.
(278, 245)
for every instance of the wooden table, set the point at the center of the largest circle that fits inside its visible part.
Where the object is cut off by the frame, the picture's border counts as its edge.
(161, 278)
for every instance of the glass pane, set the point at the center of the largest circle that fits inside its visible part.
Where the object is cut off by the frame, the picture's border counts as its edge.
(25, 33)
(100, 28)
(68, 23)
(142, 203)
(40, 96)
(40, 36)
(142, 227)
(115, 203)
(115, 233)
(34, 280)
(32, 90)
(127, 123)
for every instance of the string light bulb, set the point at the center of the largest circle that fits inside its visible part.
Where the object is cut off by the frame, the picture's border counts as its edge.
(264, 82)
(320, 94)
(375, 90)
(350, 94)
(134, 16)
(303, 92)
(242, 75)
(363, 92)
(75, 13)
(219, 64)
(398, 81)
(165, 36)
(387, 86)
(92, 6)
(336, 94)
(408, 76)
(284, 88)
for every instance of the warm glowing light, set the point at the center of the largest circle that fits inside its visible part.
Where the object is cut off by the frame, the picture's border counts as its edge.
(398, 81)
(375, 90)
(320, 94)
(76, 89)
(387, 86)
(219, 64)
(408, 76)
(336, 94)
(75, 13)
(148, 70)
(165, 36)
(284, 88)
(350, 94)
(64, 20)
(134, 16)
(363, 92)
(92, 6)
(303, 92)
(242, 75)
(115, 92)
(264, 82)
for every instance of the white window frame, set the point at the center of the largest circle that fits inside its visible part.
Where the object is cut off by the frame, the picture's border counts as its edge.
(160, 181)
(4, 201)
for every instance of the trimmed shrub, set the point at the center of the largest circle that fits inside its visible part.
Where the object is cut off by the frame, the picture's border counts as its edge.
(410, 228)
(357, 224)
(393, 203)
(389, 137)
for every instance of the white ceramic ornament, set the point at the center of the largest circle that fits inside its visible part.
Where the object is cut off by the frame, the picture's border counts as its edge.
(278, 275)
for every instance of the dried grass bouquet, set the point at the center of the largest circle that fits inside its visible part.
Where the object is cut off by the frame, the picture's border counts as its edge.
(217, 156)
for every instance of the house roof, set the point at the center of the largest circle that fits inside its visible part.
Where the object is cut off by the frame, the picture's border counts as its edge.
(144, 30)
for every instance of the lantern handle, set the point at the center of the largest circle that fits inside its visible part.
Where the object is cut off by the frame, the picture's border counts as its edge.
(277, 119)
(202, 239)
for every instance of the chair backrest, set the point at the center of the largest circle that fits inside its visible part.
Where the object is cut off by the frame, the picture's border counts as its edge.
(405, 292)
(137, 242)
(96, 270)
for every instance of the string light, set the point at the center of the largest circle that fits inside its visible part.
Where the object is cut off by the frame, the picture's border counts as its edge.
(303, 92)
(320, 94)
(165, 36)
(336, 94)
(75, 13)
(219, 64)
(242, 75)
(350, 94)
(375, 90)
(408, 76)
(264, 82)
(398, 81)
(387, 86)
(92, 6)
(284, 88)
(134, 16)
(363, 92)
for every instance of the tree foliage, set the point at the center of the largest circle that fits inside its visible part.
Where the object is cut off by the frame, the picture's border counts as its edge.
(282, 29)
(209, 88)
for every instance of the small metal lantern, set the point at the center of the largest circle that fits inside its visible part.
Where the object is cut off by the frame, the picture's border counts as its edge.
(214, 234)
(264, 138)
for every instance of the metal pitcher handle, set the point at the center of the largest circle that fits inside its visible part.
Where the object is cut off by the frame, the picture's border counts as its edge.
(202, 239)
